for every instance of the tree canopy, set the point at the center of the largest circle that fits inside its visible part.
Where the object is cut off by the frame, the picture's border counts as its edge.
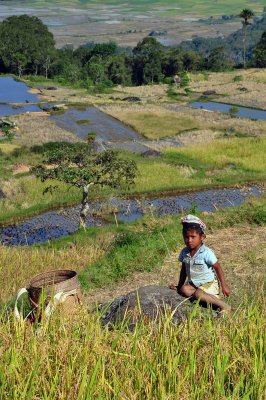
(259, 53)
(78, 165)
(26, 44)
(246, 14)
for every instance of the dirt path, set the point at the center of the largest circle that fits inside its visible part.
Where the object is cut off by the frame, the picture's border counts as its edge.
(241, 251)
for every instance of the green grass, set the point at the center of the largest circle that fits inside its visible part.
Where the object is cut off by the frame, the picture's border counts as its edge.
(83, 121)
(131, 252)
(246, 153)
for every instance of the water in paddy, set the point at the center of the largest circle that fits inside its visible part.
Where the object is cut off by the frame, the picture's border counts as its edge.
(8, 109)
(12, 91)
(244, 112)
(59, 223)
(106, 127)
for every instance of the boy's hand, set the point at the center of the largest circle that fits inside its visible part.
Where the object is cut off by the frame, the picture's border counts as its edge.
(173, 287)
(226, 290)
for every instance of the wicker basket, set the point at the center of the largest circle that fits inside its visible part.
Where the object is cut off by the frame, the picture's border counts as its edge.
(48, 284)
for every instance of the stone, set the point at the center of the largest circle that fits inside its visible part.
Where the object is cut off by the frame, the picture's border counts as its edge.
(209, 92)
(131, 98)
(147, 303)
(151, 153)
(5, 123)
(2, 194)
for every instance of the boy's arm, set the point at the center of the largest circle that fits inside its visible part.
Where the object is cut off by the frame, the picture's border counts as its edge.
(182, 279)
(220, 274)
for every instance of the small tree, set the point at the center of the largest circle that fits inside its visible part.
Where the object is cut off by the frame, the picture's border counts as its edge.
(245, 14)
(77, 165)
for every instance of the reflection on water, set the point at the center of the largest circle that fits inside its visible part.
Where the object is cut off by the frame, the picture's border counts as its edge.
(244, 112)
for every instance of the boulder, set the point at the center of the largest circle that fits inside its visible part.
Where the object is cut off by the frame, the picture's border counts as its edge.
(131, 98)
(151, 153)
(5, 123)
(243, 89)
(209, 92)
(147, 302)
(2, 194)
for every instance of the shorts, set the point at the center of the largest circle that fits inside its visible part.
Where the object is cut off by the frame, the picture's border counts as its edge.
(209, 287)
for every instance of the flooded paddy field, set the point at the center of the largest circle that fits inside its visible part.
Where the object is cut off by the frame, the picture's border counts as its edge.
(62, 222)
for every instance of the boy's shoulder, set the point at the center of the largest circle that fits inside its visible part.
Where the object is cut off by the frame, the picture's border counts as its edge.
(206, 252)
(206, 249)
(202, 249)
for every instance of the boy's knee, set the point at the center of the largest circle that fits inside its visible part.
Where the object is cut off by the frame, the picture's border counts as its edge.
(182, 290)
(186, 290)
(198, 294)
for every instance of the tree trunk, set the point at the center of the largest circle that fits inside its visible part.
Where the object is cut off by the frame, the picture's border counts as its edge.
(84, 206)
(244, 46)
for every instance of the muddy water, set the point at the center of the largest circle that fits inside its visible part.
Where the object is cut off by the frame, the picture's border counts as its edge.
(56, 224)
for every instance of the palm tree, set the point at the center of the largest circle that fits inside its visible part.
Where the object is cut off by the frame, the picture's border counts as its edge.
(246, 14)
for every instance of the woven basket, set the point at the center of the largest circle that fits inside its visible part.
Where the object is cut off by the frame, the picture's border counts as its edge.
(52, 282)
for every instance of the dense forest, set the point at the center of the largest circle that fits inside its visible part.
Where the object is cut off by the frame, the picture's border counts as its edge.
(28, 48)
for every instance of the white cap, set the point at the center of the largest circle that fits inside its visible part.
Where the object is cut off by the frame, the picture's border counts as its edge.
(192, 219)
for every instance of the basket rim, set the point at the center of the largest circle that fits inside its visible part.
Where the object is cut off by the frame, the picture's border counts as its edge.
(33, 284)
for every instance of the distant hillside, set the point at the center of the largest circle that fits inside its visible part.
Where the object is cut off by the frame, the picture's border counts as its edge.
(233, 43)
(197, 8)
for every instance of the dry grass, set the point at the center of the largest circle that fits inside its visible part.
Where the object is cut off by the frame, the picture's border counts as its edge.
(7, 148)
(37, 128)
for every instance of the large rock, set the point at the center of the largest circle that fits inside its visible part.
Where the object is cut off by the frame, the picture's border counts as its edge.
(148, 302)
(209, 92)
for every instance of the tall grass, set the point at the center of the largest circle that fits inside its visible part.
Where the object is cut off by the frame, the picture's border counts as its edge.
(245, 153)
(77, 359)
(19, 264)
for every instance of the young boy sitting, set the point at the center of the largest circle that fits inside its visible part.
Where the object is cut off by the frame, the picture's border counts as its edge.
(200, 267)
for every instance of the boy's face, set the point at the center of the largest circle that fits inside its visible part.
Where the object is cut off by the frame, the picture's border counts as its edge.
(193, 239)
